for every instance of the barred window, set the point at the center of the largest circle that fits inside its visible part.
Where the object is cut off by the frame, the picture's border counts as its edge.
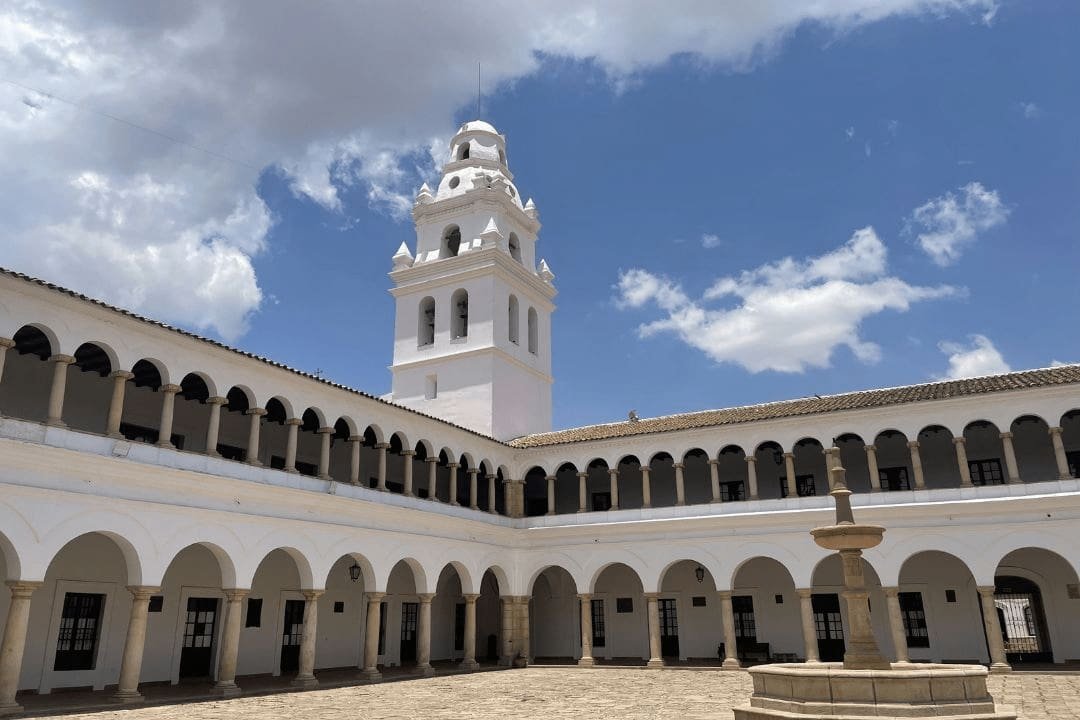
(914, 617)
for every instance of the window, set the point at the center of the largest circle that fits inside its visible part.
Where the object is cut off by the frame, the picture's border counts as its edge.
(515, 247)
(254, 613)
(698, 601)
(512, 313)
(80, 624)
(431, 387)
(459, 626)
(502, 157)
(1073, 458)
(339, 606)
(601, 501)
(894, 478)
(425, 330)
(463, 151)
(459, 314)
(157, 602)
(624, 605)
(914, 617)
(804, 485)
(986, 472)
(950, 596)
(382, 628)
(779, 599)
(742, 607)
(598, 636)
(534, 332)
(731, 491)
(451, 242)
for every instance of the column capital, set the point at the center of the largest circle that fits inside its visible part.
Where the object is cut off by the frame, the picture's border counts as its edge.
(582, 475)
(6, 343)
(64, 359)
(312, 594)
(23, 588)
(490, 476)
(913, 444)
(724, 594)
(870, 448)
(473, 471)
(453, 466)
(171, 389)
(550, 478)
(1006, 436)
(750, 459)
(959, 440)
(713, 461)
(408, 453)
(294, 421)
(143, 592)
(985, 590)
(1055, 430)
(215, 400)
(804, 592)
(235, 594)
(789, 455)
(679, 465)
(382, 446)
(356, 438)
(325, 430)
(584, 596)
(653, 596)
(470, 597)
(613, 471)
(375, 596)
(431, 459)
(645, 469)
(255, 411)
(891, 591)
(122, 374)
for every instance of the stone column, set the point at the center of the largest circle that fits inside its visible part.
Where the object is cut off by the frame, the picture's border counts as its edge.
(381, 447)
(1059, 454)
(230, 642)
(518, 486)
(453, 490)
(56, 392)
(656, 659)
(5, 345)
(789, 468)
(646, 486)
(408, 461)
(469, 661)
(292, 427)
(1010, 457)
(255, 414)
(680, 486)
(582, 479)
(131, 665)
(613, 487)
(960, 444)
(522, 630)
(992, 627)
(116, 404)
(896, 623)
(432, 478)
(862, 650)
(423, 636)
(305, 678)
(586, 659)
(472, 488)
(751, 476)
(14, 643)
(371, 638)
(324, 452)
(213, 424)
(491, 493)
(714, 478)
(168, 404)
(354, 458)
(916, 465)
(551, 494)
(809, 632)
(506, 658)
(872, 468)
(731, 645)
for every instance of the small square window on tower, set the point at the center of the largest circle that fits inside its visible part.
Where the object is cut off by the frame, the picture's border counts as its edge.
(431, 387)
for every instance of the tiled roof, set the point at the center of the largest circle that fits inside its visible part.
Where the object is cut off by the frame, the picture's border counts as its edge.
(1064, 375)
(223, 346)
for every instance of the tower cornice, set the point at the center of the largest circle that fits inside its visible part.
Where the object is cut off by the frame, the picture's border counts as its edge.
(430, 212)
(474, 263)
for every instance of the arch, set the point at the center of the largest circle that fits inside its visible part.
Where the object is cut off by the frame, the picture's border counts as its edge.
(709, 565)
(425, 322)
(459, 314)
(767, 560)
(373, 435)
(513, 245)
(240, 399)
(468, 586)
(796, 566)
(567, 467)
(623, 559)
(133, 562)
(985, 452)
(424, 448)
(513, 312)
(313, 419)
(401, 439)
(36, 339)
(12, 563)
(906, 567)
(345, 428)
(822, 566)
(197, 386)
(530, 583)
(463, 151)
(1033, 448)
(367, 570)
(96, 357)
(225, 565)
(502, 578)
(300, 561)
(534, 332)
(451, 241)
(149, 373)
(418, 574)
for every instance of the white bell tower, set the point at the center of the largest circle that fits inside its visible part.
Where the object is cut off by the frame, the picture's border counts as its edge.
(472, 339)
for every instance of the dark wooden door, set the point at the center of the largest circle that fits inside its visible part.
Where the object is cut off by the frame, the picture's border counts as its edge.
(197, 651)
(408, 632)
(829, 627)
(669, 628)
(292, 630)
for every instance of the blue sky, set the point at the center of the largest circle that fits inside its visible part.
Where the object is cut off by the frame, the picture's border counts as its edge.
(950, 133)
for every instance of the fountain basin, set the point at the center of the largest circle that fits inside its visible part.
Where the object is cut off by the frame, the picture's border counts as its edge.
(787, 691)
(848, 537)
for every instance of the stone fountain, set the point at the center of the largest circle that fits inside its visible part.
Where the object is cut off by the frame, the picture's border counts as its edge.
(865, 686)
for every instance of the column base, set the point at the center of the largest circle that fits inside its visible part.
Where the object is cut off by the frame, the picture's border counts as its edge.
(213, 453)
(731, 664)
(166, 445)
(586, 662)
(655, 663)
(254, 463)
(13, 708)
(307, 682)
(127, 696)
(425, 670)
(371, 675)
(473, 507)
(55, 422)
(506, 661)
(226, 689)
(1000, 668)
(468, 665)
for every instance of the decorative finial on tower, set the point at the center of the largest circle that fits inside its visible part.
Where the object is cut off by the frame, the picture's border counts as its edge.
(424, 196)
(491, 237)
(530, 209)
(402, 258)
(545, 272)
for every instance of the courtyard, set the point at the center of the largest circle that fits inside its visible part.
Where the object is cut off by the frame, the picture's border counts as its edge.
(556, 692)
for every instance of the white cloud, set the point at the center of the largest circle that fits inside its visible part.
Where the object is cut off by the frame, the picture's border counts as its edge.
(951, 222)
(1030, 110)
(348, 96)
(710, 241)
(1060, 363)
(784, 316)
(979, 357)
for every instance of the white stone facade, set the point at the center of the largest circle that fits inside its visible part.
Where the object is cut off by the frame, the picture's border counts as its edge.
(151, 475)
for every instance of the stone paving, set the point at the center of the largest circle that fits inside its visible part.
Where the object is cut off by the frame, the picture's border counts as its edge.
(552, 693)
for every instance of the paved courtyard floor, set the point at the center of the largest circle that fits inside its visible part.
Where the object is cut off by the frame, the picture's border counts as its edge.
(553, 692)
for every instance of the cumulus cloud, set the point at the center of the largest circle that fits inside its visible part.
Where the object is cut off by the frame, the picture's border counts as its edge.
(710, 241)
(950, 223)
(977, 357)
(1030, 110)
(334, 95)
(784, 316)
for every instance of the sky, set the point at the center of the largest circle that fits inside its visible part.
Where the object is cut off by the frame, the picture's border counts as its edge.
(741, 202)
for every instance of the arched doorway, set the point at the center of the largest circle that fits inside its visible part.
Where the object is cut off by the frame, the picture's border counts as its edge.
(553, 617)
(1022, 619)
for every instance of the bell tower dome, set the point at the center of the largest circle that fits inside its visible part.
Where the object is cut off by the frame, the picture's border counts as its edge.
(473, 303)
